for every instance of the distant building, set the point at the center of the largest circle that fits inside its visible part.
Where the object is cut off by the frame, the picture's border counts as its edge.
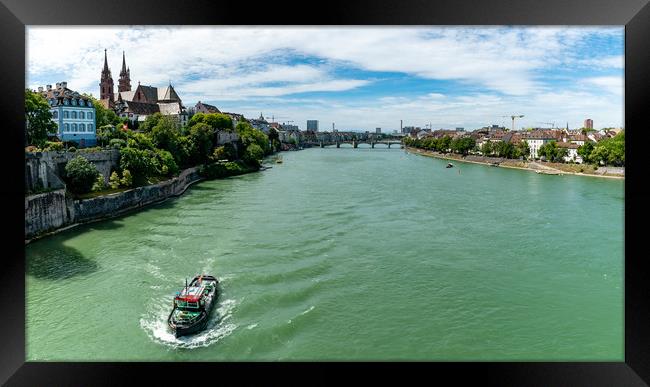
(312, 125)
(73, 114)
(377, 130)
(137, 104)
(572, 152)
(202, 107)
(537, 138)
(290, 127)
(589, 123)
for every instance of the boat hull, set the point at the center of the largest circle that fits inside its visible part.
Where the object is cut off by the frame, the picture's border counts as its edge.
(184, 329)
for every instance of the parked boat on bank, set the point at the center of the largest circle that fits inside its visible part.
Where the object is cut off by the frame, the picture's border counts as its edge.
(192, 305)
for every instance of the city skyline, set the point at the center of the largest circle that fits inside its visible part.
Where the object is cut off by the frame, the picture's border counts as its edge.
(359, 77)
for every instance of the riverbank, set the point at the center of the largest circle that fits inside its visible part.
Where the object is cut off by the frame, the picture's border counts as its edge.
(556, 168)
(53, 212)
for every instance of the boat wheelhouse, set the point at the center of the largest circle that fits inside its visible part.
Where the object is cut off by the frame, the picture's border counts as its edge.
(192, 305)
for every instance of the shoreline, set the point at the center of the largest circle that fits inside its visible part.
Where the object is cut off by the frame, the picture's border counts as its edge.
(440, 156)
(125, 211)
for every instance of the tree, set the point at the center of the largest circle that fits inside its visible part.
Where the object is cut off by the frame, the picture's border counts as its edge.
(151, 121)
(487, 148)
(164, 163)
(216, 121)
(200, 136)
(80, 175)
(138, 162)
(104, 116)
(253, 154)
(165, 135)
(463, 145)
(38, 119)
(274, 137)
(522, 149)
(585, 151)
(444, 144)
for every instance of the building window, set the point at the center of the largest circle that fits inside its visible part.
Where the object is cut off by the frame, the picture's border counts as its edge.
(66, 114)
(74, 127)
(74, 114)
(55, 114)
(82, 115)
(67, 128)
(82, 127)
(90, 127)
(90, 116)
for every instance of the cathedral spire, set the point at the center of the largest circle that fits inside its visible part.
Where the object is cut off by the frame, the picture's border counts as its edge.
(123, 64)
(106, 82)
(105, 62)
(125, 76)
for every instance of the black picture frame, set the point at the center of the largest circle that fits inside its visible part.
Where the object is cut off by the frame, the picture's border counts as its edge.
(634, 14)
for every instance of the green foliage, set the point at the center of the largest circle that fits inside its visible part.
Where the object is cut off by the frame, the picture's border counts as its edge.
(99, 183)
(200, 137)
(72, 149)
(522, 149)
(551, 152)
(53, 146)
(487, 148)
(216, 121)
(127, 179)
(585, 151)
(114, 180)
(249, 135)
(253, 154)
(80, 175)
(165, 134)
(164, 163)
(220, 170)
(463, 145)
(610, 151)
(104, 116)
(138, 162)
(151, 121)
(38, 119)
(225, 152)
(117, 143)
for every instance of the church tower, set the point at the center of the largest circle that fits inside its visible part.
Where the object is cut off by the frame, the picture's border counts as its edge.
(125, 77)
(106, 83)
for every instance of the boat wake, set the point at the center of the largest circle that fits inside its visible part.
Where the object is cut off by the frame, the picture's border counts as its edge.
(154, 323)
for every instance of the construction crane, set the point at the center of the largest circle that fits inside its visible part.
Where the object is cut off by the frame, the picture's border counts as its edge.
(513, 120)
(274, 117)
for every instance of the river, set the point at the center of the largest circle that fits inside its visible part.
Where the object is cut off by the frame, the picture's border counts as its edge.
(345, 254)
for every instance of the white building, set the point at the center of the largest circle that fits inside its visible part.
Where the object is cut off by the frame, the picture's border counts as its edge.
(536, 139)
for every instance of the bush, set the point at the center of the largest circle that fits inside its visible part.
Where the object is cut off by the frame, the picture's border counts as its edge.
(72, 149)
(80, 175)
(114, 180)
(127, 179)
(220, 170)
(32, 149)
(53, 146)
(117, 143)
(99, 183)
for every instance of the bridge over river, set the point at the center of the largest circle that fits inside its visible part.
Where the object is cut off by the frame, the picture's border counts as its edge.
(355, 143)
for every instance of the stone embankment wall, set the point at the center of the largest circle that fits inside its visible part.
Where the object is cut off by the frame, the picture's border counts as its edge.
(46, 169)
(54, 210)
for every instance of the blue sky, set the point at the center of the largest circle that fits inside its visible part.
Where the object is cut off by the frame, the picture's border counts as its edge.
(358, 77)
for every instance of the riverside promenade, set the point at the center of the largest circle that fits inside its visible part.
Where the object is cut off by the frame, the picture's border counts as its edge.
(533, 166)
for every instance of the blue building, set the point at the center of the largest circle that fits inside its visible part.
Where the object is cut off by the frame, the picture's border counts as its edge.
(73, 113)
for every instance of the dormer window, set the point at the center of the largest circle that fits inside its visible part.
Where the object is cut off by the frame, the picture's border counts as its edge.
(74, 102)
(66, 101)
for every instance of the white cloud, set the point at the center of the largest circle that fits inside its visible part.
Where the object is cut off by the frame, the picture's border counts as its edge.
(502, 69)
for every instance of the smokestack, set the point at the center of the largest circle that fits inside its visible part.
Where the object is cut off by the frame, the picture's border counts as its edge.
(400, 127)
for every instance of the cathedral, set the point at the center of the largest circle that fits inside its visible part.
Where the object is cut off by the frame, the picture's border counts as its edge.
(137, 104)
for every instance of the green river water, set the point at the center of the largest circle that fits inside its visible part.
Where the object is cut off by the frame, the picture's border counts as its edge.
(345, 254)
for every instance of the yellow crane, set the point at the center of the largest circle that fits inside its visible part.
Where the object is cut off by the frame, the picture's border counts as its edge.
(513, 120)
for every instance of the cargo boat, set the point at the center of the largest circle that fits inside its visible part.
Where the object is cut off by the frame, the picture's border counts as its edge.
(192, 306)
